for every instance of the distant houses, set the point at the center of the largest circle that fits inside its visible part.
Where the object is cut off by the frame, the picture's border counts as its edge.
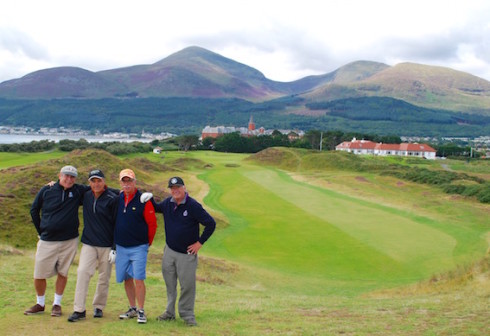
(216, 131)
(404, 149)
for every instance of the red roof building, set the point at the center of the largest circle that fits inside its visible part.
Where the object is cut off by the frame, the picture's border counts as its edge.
(404, 149)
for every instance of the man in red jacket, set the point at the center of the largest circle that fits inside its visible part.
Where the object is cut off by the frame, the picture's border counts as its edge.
(136, 226)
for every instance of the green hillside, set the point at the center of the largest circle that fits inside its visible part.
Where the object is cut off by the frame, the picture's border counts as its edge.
(374, 115)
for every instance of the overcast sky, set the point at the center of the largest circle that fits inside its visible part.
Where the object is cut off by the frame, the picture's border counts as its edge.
(284, 39)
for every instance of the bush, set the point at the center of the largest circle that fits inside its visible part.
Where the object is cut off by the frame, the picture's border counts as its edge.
(454, 189)
(484, 194)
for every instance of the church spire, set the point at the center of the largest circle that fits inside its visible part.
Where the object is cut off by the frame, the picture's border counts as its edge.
(251, 124)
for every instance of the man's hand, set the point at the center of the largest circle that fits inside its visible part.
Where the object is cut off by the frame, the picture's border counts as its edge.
(145, 197)
(112, 256)
(194, 248)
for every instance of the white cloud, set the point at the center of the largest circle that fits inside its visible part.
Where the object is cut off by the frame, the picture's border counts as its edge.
(285, 40)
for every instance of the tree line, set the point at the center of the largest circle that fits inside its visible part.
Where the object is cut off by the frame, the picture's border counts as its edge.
(233, 143)
(113, 147)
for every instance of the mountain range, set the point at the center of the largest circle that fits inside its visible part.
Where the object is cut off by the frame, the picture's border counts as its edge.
(196, 73)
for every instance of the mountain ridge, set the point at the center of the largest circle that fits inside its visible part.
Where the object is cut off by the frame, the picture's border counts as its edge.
(196, 87)
(198, 72)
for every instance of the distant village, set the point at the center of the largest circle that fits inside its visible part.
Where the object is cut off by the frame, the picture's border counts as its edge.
(71, 132)
(251, 130)
(411, 146)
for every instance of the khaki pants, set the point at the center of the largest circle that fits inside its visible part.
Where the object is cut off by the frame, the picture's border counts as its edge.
(91, 258)
(54, 257)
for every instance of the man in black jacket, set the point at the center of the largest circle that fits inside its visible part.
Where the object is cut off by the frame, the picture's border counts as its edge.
(54, 213)
(99, 212)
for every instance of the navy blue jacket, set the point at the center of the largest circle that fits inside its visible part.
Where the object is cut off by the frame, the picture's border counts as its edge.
(136, 223)
(99, 218)
(54, 211)
(182, 223)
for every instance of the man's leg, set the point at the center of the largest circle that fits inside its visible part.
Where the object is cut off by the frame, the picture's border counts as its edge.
(60, 284)
(40, 286)
(130, 291)
(85, 271)
(105, 269)
(169, 273)
(140, 293)
(186, 273)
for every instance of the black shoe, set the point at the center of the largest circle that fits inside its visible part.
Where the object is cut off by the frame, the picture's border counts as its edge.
(166, 316)
(76, 316)
(98, 313)
(191, 321)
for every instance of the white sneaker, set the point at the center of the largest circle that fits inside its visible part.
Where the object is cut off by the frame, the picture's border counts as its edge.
(141, 316)
(132, 312)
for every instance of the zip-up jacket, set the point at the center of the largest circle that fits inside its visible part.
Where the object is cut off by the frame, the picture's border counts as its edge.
(54, 211)
(136, 223)
(99, 218)
(182, 223)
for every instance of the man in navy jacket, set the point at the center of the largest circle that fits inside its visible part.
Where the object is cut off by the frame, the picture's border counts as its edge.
(136, 226)
(182, 215)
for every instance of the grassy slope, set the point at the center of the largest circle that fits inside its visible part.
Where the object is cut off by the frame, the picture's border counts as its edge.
(20, 159)
(297, 279)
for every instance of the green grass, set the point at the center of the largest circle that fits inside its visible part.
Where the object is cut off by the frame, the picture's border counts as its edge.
(300, 228)
(297, 252)
(20, 159)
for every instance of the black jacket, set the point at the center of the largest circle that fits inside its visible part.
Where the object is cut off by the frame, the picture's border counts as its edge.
(54, 211)
(99, 218)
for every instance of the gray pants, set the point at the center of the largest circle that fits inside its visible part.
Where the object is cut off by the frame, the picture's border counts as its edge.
(181, 267)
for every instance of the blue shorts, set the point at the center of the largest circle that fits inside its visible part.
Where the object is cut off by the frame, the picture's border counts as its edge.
(131, 262)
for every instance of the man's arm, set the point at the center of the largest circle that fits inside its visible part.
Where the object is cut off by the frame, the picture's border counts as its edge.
(157, 206)
(206, 220)
(36, 209)
(151, 221)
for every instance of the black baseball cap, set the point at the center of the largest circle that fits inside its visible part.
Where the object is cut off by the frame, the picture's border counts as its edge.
(96, 173)
(175, 181)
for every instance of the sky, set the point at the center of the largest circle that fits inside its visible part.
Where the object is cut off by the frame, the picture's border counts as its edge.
(284, 39)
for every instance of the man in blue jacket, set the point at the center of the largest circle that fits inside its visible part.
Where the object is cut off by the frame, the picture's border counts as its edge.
(182, 215)
(54, 213)
(99, 217)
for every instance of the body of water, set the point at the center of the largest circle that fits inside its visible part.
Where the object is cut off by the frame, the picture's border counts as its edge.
(20, 138)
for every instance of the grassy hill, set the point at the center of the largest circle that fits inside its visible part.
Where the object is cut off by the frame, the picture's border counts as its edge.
(421, 85)
(308, 243)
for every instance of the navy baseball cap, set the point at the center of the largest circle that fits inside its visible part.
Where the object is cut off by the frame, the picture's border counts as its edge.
(175, 181)
(96, 173)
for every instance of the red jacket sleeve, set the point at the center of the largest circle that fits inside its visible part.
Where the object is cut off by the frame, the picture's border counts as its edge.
(151, 221)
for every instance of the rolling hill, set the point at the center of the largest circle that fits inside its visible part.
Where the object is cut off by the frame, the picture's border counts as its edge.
(197, 72)
(418, 84)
